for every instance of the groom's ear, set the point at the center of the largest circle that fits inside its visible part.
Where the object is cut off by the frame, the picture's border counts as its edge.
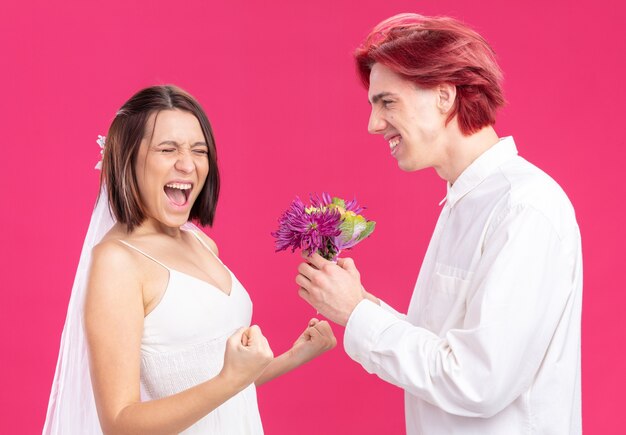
(446, 95)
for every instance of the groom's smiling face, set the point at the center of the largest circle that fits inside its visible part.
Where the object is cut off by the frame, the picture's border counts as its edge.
(409, 118)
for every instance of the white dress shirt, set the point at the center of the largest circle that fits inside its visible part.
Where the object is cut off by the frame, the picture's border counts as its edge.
(491, 341)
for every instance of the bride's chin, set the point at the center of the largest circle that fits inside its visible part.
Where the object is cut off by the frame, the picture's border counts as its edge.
(165, 222)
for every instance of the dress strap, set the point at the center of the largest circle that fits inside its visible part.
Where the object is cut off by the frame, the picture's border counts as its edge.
(145, 254)
(197, 236)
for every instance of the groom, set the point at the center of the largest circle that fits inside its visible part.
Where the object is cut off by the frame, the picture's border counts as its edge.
(490, 344)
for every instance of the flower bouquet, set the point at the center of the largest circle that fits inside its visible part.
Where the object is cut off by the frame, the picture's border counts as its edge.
(327, 226)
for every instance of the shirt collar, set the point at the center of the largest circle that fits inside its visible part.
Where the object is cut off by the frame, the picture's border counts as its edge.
(480, 169)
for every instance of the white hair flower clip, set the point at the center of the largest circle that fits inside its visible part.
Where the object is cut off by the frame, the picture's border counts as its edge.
(100, 141)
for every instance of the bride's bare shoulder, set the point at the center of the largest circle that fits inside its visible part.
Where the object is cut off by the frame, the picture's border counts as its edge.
(111, 253)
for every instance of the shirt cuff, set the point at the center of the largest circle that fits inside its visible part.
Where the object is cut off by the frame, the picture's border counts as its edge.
(391, 310)
(365, 325)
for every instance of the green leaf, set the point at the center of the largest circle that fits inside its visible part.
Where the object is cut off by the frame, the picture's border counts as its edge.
(369, 229)
(347, 228)
(339, 202)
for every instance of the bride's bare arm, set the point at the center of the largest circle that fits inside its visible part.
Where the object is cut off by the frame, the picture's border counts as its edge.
(114, 314)
(316, 339)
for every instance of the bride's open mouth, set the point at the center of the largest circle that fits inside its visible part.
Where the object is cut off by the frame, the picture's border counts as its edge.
(178, 193)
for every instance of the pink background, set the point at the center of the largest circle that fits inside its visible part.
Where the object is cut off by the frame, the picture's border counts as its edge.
(278, 83)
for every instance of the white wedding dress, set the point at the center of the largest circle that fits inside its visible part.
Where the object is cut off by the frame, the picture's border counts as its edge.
(183, 344)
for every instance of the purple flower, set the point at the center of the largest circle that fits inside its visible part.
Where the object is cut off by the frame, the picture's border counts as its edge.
(328, 226)
(327, 200)
(311, 229)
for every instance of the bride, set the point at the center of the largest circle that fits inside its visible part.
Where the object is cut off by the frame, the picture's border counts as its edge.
(158, 336)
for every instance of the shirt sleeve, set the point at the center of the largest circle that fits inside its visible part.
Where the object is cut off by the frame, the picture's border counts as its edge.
(515, 300)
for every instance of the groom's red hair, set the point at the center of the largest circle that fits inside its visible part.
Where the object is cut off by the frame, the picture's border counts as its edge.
(433, 50)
